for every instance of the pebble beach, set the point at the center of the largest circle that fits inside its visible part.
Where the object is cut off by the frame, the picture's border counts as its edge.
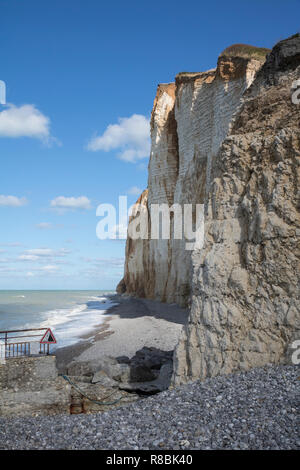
(249, 410)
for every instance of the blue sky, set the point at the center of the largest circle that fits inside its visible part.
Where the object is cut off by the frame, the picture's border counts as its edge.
(73, 69)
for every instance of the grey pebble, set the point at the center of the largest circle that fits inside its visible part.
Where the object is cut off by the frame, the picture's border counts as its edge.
(248, 410)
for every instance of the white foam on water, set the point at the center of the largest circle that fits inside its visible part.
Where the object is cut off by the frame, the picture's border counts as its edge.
(69, 325)
(70, 320)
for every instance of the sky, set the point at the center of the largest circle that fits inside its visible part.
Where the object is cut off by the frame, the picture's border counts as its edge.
(81, 76)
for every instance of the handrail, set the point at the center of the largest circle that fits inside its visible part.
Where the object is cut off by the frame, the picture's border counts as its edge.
(24, 336)
(16, 331)
(17, 348)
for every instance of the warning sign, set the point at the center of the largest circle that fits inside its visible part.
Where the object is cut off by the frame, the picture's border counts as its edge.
(48, 338)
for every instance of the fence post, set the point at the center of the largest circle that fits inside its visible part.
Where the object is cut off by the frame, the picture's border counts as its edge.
(5, 345)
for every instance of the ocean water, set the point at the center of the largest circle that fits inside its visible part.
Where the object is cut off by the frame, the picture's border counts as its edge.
(69, 314)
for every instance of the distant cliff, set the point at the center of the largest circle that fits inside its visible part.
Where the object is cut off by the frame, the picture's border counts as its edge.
(227, 138)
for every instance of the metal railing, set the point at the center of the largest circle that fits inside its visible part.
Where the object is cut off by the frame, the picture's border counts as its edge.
(18, 343)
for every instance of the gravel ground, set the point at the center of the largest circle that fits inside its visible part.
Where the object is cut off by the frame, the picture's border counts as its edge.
(129, 325)
(252, 410)
(135, 323)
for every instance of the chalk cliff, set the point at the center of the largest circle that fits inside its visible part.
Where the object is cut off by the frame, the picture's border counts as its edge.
(229, 139)
(190, 119)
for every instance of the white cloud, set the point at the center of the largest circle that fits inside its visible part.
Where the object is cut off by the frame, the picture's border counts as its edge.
(7, 269)
(50, 268)
(41, 252)
(24, 121)
(135, 191)
(44, 225)
(38, 254)
(49, 226)
(28, 257)
(14, 244)
(67, 203)
(48, 252)
(12, 201)
(106, 262)
(131, 136)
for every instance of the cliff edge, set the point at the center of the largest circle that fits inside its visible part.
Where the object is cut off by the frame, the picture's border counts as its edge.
(228, 138)
(245, 301)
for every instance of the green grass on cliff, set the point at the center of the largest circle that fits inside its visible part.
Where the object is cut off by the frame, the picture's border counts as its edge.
(187, 73)
(246, 51)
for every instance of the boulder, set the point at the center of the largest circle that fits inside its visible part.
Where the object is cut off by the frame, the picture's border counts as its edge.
(102, 378)
(141, 373)
(123, 359)
(104, 362)
(165, 375)
(151, 387)
(81, 378)
(119, 372)
(147, 365)
(85, 368)
(147, 388)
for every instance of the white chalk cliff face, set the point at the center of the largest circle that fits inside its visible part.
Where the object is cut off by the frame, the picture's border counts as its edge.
(229, 139)
(190, 119)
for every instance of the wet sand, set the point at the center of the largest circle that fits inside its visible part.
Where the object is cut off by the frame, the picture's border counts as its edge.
(128, 326)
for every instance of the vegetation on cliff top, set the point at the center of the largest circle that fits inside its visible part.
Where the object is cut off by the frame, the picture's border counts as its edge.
(189, 75)
(246, 51)
(236, 50)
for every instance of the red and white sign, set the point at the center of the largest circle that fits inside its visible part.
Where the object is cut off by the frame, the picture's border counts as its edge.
(48, 338)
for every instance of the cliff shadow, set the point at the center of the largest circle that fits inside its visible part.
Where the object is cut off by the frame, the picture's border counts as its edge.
(137, 308)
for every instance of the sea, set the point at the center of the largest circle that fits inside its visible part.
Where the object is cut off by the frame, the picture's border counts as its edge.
(69, 314)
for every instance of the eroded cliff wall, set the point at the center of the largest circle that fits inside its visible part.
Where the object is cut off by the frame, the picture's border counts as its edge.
(229, 139)
(189, 121)
(245, 300)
